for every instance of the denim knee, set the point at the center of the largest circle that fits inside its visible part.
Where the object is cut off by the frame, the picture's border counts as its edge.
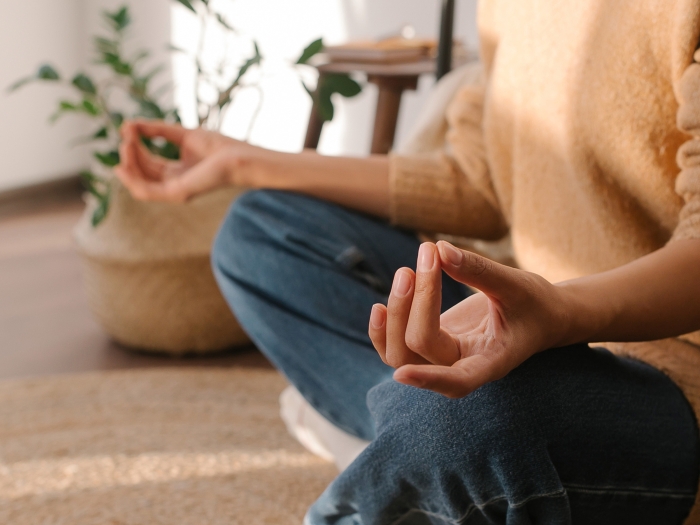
(229, 250)
(485, 440)
(488, 417)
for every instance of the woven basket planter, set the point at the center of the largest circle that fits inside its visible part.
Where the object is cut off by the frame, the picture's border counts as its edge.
(148, 277)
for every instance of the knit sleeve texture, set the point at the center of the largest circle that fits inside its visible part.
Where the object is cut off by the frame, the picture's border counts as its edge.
(688, 180)
(449, 190)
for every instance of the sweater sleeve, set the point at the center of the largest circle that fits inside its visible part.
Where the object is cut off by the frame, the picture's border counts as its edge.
(688, 180)
(449, 190)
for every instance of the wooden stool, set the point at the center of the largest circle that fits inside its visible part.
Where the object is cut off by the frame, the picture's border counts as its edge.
(392, 80)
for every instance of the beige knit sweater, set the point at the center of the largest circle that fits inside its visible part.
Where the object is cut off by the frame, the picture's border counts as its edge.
(583, 141)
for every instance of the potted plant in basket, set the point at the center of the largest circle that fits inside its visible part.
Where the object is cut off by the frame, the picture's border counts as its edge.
(146, 265)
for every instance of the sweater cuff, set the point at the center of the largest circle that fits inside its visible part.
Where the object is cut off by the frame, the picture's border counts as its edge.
(430, 193)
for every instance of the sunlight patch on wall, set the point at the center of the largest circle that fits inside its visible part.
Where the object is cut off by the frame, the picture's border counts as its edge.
(282, 29)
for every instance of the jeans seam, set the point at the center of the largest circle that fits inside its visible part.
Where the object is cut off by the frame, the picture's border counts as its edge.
(641, 491)
(475, 506)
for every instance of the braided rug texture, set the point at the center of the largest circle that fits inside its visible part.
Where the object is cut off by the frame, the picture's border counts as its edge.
(147, 447)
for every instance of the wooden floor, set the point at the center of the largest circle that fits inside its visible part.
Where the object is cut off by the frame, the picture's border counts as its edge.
(45, 324)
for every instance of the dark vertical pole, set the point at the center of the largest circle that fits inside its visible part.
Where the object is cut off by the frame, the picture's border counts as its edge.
(444, 58)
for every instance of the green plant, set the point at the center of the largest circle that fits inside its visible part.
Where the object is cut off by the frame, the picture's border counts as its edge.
(127, 74)
(96, 100)
(328, 84)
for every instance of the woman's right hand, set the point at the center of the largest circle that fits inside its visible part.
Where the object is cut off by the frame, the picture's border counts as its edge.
(208, 161)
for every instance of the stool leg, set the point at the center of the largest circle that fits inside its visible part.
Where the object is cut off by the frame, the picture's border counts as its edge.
(385, 119)
(313, 130)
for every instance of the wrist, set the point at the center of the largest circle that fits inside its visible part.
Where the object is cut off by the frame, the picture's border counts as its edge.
(247, 166)
(585, 314)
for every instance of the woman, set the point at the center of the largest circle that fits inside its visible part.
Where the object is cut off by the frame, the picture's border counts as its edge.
(570, 144)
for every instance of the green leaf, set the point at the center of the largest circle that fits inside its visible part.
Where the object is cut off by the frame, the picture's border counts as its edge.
(109, 159)
(89, 107)
(84, 84)
(312, 49)
(325, 105)
(342, 84)
(105, 45)
(188, 5)
(100, 212)
(164, 149)
(117, 64)
(47, 72)
(94, 184)
(100, 134)
(119, 19)
(334, 83)
(117, 119)
(20, 83)
(88, 178)
(224, 23)
(149, 109)
(254, 60)
(64, 106)
(170, 151)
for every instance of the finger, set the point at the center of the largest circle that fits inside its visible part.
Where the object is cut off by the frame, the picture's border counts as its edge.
(398, 310)
(129, 170)
(134, 154)
(206, 175)
(423, 333)
(157, 128)
(377, 329)
(455, 381)
(130, 174)
(495, 280)
(153, 167)
(139, 187)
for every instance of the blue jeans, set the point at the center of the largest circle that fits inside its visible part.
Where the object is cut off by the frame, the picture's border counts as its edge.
(573, 436)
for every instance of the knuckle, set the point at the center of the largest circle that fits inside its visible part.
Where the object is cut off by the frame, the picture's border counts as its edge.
(425, 288)
(477, 264)
(417, 342)
(393, 359)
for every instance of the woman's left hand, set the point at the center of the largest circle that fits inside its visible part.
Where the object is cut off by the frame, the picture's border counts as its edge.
(479, 340)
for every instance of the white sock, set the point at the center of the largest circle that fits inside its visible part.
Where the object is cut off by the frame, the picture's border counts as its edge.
(318, 435)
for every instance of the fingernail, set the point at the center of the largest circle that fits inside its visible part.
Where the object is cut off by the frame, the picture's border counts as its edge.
(453, 254)
(402, 283)
(426, 259)
(377, 318)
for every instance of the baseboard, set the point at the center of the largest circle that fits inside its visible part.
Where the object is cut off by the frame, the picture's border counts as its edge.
(35, 197)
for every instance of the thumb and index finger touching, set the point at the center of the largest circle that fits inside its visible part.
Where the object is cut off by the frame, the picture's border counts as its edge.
(467, 374)
(139, 170)
(174, 133)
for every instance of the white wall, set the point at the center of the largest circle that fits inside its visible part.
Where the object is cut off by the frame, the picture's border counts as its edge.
(31, 33)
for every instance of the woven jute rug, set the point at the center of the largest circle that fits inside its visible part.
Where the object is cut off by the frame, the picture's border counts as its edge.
(165, 446)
